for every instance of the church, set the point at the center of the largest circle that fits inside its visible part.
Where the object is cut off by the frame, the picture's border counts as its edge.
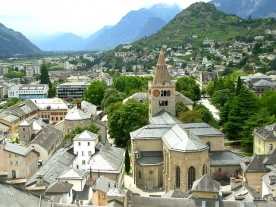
(169, 154)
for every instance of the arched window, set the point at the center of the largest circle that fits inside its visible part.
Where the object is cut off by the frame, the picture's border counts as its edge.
(204, 169)
(191, 177)
(166, 103)
(165, 93)
(177, 177)
(168, 93)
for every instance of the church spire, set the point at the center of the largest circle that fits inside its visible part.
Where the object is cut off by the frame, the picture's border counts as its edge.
(161, 75)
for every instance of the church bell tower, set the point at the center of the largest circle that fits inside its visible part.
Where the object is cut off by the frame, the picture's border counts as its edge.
(161, 89)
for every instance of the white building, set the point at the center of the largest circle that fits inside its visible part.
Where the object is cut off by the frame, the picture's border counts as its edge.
(84, 147)
(27, 92)
(29, 72)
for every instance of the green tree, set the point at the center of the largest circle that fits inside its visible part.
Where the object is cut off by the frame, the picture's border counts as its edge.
(127, 162)
(125, 118)
(95, 93)
(44, 77)
(220, 97)
(242, 107)
(268, 101)
(239, 86)
(68, 138)
(112, 95)
(190, 116)
(180, 107)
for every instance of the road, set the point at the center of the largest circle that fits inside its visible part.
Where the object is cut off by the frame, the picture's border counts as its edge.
(212, 108)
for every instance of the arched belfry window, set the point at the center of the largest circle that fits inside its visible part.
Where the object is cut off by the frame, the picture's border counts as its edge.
(177, 177)
(191, 177)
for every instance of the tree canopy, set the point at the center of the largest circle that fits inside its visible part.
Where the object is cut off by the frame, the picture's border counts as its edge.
(95, 93)
(125, 118)
(44, 77)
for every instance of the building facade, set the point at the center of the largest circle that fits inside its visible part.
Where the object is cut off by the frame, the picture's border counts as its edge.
(72, 89)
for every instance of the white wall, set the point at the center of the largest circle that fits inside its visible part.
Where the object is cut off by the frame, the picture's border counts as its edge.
(81, 148)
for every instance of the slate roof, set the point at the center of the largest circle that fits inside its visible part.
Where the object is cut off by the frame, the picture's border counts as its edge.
(10, 118)
(150, 131)
(270, 180)
(184, 99)
(104, 184)
(73, 174)
(175, 194)
(55, 166)
(243, 193)
(59, 187)
(177, 139)
(206, 184)
(224, 158)
(86, 112)
(86, 136)
(163, 117)
(266, 133)
(22, 108)
(201, 129)
(17, 149)
(258, 163)
(150, 158)
(48, 137)
(23, 198)
(110, 160)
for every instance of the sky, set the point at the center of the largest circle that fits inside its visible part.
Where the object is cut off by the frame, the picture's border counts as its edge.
(37, 18)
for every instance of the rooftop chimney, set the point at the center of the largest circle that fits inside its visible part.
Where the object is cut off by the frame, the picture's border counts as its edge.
(79, 105)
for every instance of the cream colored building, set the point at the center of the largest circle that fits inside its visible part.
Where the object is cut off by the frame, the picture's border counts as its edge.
(17, 161)
(264, 139)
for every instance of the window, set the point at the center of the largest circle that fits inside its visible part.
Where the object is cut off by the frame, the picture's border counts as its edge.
(177, 177)
(191, 177)
(16, 163)
(270, 147)
(89, 153)
(11, 163)
(23, 129)
(79, 144)
(204, 169)
(88, 143)
(16, 155)
(139, 175)
(77, 166)
(10, 155)
(103, 195)
(83, 162)
(82, 153)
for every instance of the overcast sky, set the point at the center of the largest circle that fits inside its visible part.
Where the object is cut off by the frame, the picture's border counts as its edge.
(81, 17)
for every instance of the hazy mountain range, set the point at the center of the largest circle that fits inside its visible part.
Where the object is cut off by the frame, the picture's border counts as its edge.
(134, 25)
(246, 8)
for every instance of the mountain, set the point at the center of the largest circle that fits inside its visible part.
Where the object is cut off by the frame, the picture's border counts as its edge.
(127, 29)
(246, 8)
(12, 42)
(151, 26)
(64, 42)
(198, 22)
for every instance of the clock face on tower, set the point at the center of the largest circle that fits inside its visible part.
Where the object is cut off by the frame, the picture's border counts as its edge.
(156, 93)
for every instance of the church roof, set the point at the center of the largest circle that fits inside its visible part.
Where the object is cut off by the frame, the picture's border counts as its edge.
(178, 140)
(161, 73)
(206, 184)
(201, 129)
(164, 117)
(150, 132)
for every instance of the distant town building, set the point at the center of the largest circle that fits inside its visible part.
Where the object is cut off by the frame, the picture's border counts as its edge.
(27, 92)
(72, 89)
